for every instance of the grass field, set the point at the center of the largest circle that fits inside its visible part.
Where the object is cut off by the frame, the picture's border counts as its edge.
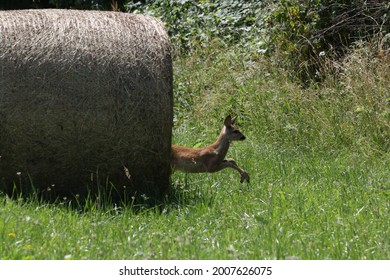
(319, 165)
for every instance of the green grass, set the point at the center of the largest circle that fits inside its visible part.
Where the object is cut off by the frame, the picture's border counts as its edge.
(318, 160)
(300, 206)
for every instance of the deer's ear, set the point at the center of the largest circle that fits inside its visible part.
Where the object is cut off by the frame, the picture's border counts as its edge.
(234, 119)
(228, 121)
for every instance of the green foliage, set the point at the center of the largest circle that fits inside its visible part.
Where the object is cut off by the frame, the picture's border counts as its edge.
(194, 23)
(303, 31)
(289, 27)
(297, 33)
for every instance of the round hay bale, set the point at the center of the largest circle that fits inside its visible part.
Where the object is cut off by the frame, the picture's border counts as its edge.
(85, 102)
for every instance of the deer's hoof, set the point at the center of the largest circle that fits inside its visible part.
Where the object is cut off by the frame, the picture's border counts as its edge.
(244, 177)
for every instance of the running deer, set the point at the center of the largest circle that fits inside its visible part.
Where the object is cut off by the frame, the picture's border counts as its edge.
(210, 158)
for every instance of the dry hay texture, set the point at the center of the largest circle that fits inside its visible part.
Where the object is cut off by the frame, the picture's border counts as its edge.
(84, 94)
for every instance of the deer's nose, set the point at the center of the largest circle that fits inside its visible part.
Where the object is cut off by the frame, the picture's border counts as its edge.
(242, 137)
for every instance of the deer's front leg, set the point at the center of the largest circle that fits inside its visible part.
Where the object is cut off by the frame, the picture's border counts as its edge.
(232, 164)
(243, 173)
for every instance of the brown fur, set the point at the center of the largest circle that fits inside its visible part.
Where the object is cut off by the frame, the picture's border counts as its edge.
(210, 158)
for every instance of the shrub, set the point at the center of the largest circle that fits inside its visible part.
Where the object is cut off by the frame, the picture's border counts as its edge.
(194, 23)
(304, 31)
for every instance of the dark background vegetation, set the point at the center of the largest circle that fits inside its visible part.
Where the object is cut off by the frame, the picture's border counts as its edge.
(61, 4)
(297, 31)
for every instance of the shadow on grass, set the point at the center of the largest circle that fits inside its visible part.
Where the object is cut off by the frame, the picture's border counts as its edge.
(109, 198)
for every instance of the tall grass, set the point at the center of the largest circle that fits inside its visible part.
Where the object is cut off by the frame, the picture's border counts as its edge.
(318, 159)
(349, 110)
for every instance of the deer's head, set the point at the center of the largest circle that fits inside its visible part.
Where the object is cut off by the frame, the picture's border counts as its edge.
(232, 132)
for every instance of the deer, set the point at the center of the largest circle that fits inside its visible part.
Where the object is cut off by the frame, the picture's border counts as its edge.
(211, 158)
